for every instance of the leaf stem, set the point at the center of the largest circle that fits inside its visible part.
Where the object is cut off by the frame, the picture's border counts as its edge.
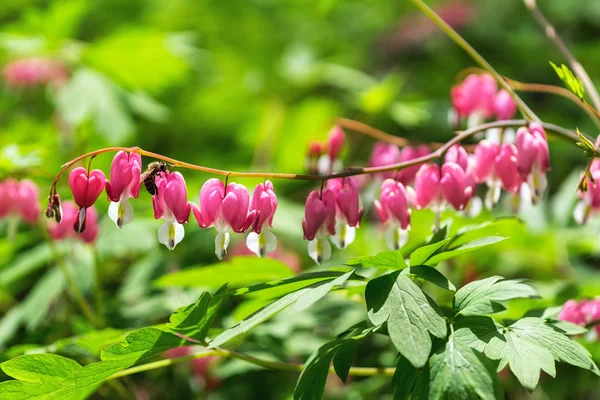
(478, 58)
(281, 366)
(554, 36)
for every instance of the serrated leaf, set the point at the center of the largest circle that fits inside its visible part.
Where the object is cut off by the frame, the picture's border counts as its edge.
(142, 344)
(457, 372)
(483, 296)
(303, 298)
(429, 274)
(239, 271)
(404, 379)
(422, 254)
(410, 315)
(528, 346)
(391, 259)
(463, 249)
(572, 81)
(342, 360)
(568, 328)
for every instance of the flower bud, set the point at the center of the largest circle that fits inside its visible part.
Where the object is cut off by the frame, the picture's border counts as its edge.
(348, 211)
(261, 240)
(476, 94)
(319, 221)
(454, 185)
(427, 186)
(504, 105)
(170, 203)
(394, 213)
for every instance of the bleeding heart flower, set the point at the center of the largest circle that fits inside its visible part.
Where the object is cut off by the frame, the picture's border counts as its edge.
(394, 212)
(407, 175)
(86, 188)
(124, 183)
(318, 223)
(63, 229)
(455, 185)
(504, 105)
(348, 211)
(427, 187)
(330, 162)
(590, 199)
(224, 208)
(261, 240)
(170, 203)
(534, 158)
(475, 97)
(384, 154)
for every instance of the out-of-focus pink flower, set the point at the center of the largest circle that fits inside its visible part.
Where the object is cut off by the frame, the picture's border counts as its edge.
(476, 94)
(427, 187)
(30, 72)
(348, 210)
(329, 162)
(394, 212)
(534, 158)
(407, 175)
(384, 154)
(335, 142)
(225, 209)
(124, 183)
(455, 185)
(318, 223)
(263, 205)
(64, 229)
(170, 203)
(201, 368)
(19, 199)
(582, 312)
(315, 151)
(504, 105)
(458, 155)
(590, 199)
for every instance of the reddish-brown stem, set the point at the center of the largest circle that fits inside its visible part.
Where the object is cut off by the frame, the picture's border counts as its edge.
(348, 172)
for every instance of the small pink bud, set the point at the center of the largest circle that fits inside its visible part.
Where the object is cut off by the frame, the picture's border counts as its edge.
(504, 105)
(393, 203)
(335, 142)
(407, 175)
(427, 185)
(124, 176)
(86, 188)
(385, 154)
(263, 206)
(319, 214)
(455, 187)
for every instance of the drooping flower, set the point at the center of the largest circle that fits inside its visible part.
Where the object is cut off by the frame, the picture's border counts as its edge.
(19, 199)
(455, 185)
(318, 223)
(504, 105)
(225, 209)
(330, 162)
(64, 229)
(170, 203)
(384, 154)
(394, 212)
(427, 187)
(124, 183)
(30, 72)
(261, 240)
(475, 97)
(590, 199)
(86, 188)
(497, 165)
(407, 175)
(534, 158)
(348, 211)
(582, 312)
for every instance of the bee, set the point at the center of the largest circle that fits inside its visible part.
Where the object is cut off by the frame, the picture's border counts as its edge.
(149, 176)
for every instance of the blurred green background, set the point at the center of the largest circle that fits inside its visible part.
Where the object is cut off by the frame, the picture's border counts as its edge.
(246, 85)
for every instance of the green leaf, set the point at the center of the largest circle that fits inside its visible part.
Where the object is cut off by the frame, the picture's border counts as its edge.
(457, 372)
(239, 271)
(483, 296)
(303, 298)
(342, 360)
(311, 382)
(463, 249)
(422, 254)
(404, 379)
(409, 313)
(194, 320)
(429, 274)
(528, 346)
(388, 259)
(568, 328)
(572, 82)
(38, 376)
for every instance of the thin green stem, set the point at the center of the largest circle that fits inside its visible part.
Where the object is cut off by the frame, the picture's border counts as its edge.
(98, 296)
(458, 39)
(556, 39)
(276, 365)
(72, 286)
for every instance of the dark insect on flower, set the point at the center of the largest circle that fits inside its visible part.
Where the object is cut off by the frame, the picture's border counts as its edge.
(149, 176)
